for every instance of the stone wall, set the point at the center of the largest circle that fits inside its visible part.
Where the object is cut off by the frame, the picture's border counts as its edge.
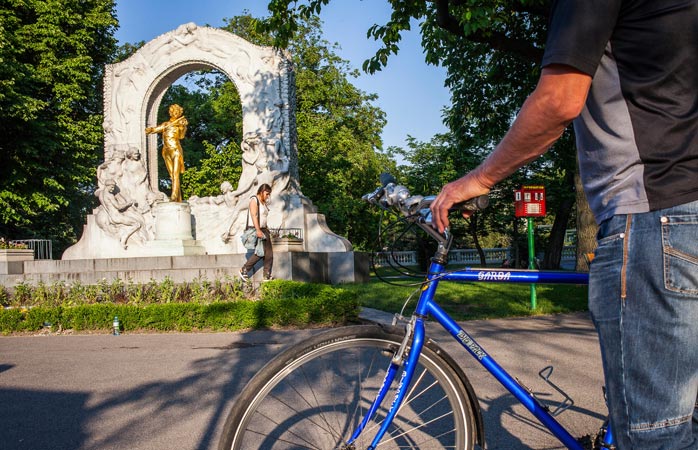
(312, 267)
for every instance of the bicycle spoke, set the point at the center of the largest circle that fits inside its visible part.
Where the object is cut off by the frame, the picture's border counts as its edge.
(316, 396)
(310, 445)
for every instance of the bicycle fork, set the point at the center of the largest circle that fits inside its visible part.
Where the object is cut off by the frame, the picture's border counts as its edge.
(414, 337)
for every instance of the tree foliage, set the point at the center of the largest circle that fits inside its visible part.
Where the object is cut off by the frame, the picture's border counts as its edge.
(499, 25)
(52, 53)
(338, 137)
(491, 50)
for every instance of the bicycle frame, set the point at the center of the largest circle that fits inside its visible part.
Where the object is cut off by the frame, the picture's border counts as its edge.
(427, 307)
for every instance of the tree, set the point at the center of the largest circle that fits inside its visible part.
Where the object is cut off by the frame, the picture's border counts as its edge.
(485, 102)
(491, 49)
(52, 53)
(338, 136)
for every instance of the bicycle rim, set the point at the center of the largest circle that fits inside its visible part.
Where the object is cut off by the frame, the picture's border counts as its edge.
(314, 395)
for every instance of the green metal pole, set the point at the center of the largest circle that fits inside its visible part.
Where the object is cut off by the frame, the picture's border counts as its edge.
(531, 260)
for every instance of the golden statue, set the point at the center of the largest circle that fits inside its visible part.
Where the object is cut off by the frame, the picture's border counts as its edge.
(172, 131)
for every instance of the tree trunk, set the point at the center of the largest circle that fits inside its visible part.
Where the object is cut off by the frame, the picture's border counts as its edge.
(553, 253)
(518, 260)
(472, 228)
(586, 228)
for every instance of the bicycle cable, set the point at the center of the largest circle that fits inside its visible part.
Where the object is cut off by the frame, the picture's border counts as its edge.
(395, 265)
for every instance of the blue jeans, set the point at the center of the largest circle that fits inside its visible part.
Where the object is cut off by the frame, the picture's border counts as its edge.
(643, 298)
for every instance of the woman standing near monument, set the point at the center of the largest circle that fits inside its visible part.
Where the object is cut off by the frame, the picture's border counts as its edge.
(172, 131)
(257, 216)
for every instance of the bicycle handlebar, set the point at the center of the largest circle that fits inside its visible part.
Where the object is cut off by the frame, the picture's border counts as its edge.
(390, 194)
(415, 208)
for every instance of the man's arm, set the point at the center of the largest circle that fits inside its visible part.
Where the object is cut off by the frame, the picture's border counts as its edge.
(558, 98)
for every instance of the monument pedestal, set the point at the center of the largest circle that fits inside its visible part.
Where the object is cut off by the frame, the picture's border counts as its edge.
(286, 245)
(173, 231)
(12, 260)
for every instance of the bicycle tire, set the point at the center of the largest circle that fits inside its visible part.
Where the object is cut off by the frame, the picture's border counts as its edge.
(315, 393)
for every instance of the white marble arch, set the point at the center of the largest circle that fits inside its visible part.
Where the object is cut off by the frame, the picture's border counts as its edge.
(133, 89)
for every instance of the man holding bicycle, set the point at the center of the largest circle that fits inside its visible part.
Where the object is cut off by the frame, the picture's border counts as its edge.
(626, 73)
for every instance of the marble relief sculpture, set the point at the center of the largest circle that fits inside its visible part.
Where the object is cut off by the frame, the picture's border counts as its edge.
(134, 218)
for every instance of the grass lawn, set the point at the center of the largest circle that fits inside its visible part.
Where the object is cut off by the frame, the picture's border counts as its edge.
(469, 301)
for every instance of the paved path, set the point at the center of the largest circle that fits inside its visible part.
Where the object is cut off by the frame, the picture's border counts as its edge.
(163, 391)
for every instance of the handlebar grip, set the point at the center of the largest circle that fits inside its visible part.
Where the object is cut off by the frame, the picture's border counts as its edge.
(474, 204)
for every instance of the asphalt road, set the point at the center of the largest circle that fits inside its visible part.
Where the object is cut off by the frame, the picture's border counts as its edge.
(164, 391)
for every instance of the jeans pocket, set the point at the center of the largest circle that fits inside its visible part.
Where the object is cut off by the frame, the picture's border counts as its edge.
(605, 278)
(680, 249)
(608, 240)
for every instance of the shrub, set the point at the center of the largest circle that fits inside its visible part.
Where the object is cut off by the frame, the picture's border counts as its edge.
(166, 306)
(5, 245)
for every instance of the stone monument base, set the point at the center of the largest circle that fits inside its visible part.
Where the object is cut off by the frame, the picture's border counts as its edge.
(174, 247)
(310, 267)
(12, 260)
(172, 221)
(173, 235)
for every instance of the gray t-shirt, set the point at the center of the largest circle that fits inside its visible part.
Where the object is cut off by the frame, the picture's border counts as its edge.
(638, 134)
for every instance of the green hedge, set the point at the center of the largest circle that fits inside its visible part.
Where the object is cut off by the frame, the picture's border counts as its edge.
(118, 291)
(280, 304)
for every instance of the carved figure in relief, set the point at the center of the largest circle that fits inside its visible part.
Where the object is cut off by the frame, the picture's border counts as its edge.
(252, 163)
(127, 80)
(214, 213)
(111, 169)
(118, 215)
(134, 173)
(172, 132)
(227, 198)
(134, 181)
(176, 40)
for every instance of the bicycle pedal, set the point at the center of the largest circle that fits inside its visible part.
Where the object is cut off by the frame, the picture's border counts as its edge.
(566, 402)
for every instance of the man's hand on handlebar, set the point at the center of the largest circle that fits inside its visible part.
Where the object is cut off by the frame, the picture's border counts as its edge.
(457, 191)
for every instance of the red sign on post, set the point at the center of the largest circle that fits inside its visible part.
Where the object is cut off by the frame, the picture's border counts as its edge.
(529, 201)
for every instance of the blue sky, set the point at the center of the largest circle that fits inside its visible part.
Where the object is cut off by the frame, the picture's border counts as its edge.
(409, 91)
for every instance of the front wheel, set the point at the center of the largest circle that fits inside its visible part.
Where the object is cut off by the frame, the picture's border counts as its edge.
(313, 396)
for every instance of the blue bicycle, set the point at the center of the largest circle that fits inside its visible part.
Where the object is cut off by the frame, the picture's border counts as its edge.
(388, 387)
